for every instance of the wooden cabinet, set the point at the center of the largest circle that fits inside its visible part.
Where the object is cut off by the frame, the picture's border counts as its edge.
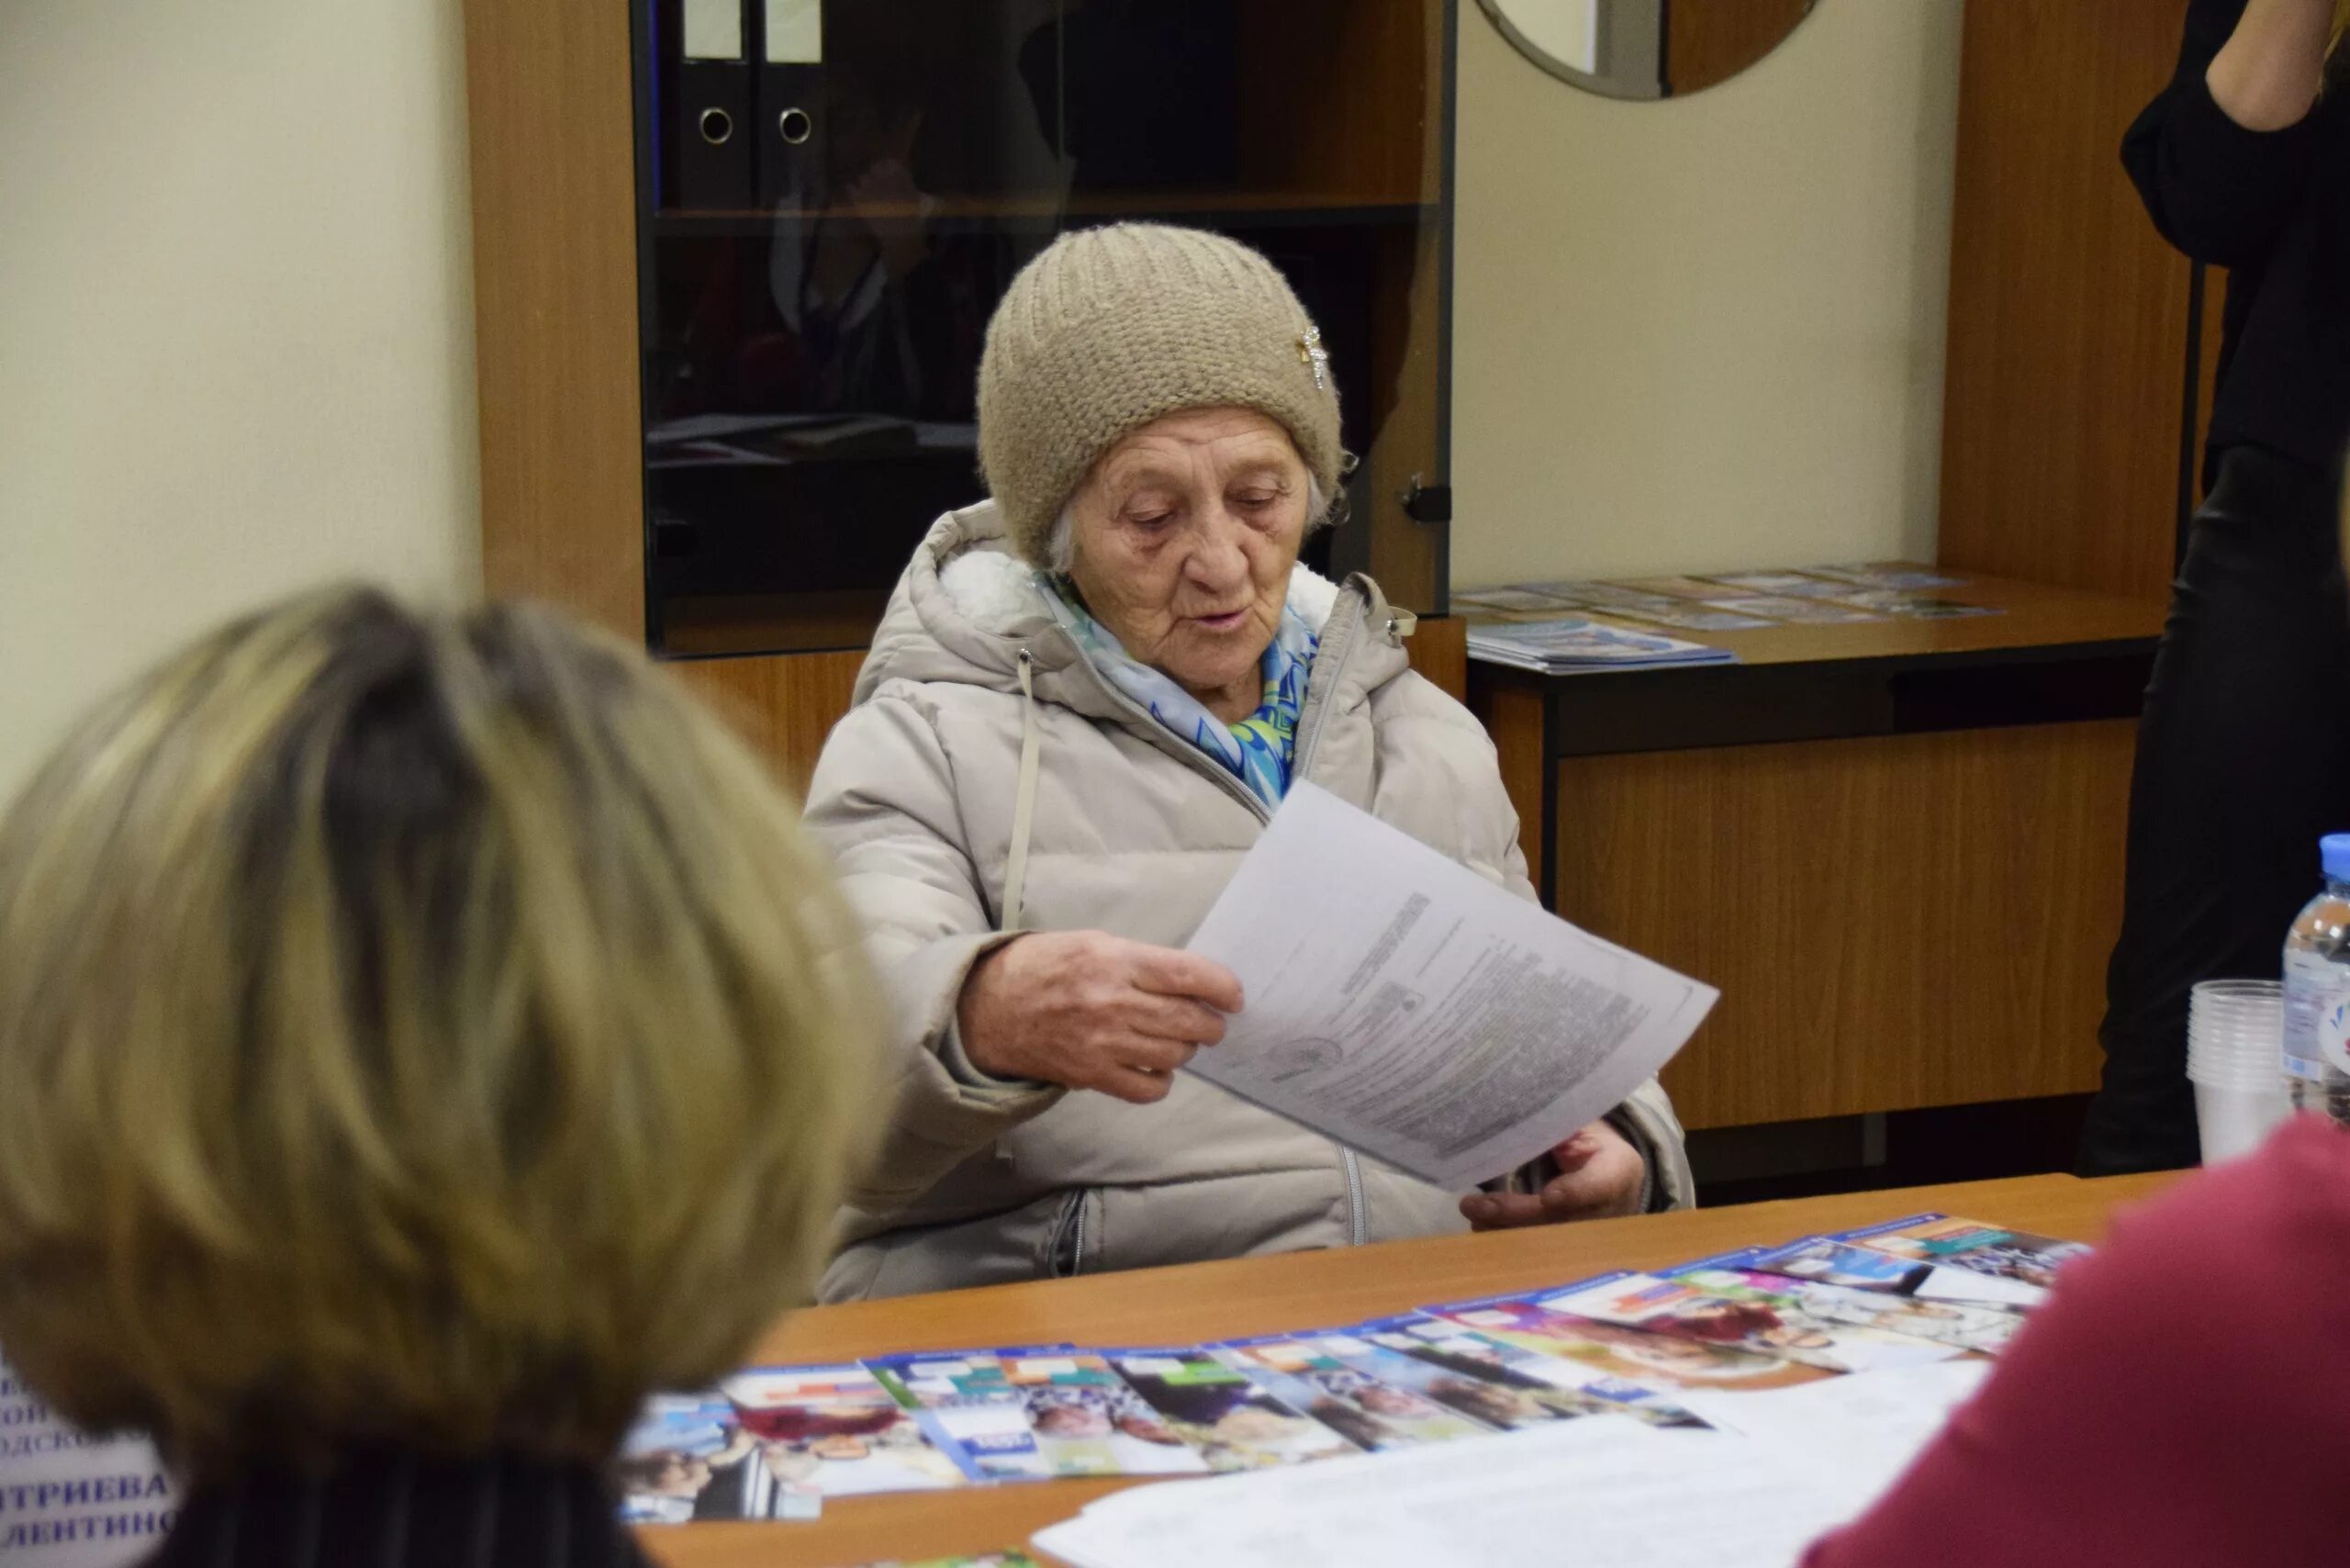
(722, 425)
(1895, 846)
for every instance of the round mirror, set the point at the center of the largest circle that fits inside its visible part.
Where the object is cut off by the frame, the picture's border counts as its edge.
(1646, 49)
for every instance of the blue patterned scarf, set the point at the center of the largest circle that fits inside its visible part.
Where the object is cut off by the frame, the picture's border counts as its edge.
(1260, 750)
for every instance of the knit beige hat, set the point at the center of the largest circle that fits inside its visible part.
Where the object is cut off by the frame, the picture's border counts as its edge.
(1110, 329)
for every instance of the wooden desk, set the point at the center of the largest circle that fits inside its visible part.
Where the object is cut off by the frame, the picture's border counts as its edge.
(1895, 846)
(1265, 1295)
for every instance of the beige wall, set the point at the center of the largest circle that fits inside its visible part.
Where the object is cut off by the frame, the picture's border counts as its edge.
(1704, 333)
(236, 325)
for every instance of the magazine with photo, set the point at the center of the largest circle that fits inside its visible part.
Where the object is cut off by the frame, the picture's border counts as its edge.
(1232, 1421)
(968, 1404)
(1090, 1421)
(1685, 616)
(1832, 1262)
(1988, 1251)
(745, 1450)
(1374, 1414)
(1621, 1357)
(1510, 1383)
(1607, 596)
(1512, 599)
(1671, 588)
(1776, 585)
(1573, 643)
(1679, 1308)
(1034, 1412)
(1914, 606)
(1798, 612)
(1892, 575)
(1949, 1331)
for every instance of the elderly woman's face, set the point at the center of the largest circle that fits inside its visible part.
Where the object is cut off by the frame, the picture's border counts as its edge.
(1183, 536)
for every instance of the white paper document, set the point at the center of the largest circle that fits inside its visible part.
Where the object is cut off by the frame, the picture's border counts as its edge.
(1401, 1004)
(1605, 1492)
(1853, 1436)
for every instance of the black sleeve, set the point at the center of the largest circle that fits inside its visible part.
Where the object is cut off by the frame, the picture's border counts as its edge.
(2215, 190)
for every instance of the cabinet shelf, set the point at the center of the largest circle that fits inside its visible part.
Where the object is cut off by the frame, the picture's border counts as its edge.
(1251, 209)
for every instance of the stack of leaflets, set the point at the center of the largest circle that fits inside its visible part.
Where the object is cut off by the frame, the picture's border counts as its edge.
(1730, 601)
(1574, 644)
(773, 1442)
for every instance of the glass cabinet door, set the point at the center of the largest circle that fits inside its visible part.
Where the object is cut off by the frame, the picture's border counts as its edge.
(832, 197)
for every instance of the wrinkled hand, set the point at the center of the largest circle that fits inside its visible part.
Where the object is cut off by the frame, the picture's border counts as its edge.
(1600, 1173)
(1093, 1010)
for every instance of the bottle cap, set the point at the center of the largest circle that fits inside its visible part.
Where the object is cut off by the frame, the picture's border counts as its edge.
(2333, 854)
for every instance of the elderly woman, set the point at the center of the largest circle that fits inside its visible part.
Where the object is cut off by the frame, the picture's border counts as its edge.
(1088, 698)
(420, 1040)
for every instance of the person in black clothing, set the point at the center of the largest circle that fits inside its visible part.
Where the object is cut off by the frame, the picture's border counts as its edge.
(422, 1038)
(2243, 750)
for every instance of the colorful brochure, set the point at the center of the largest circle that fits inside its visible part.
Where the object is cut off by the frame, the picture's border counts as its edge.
(1234, 1423)
(1777, 585)
(1957, 1327)
(1570, 644)
(1725, 1314)
(1374, 1414)
(1831, 1261)
(1798, 612)
(770, 1435)
(1914, 606)
(1987, 1251)
(1623, 1357)
(1888, 575)
(1509, 1384)
(1037, 1412)
(1512, 599)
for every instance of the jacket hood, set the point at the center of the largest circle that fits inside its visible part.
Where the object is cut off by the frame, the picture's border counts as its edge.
(966, 606)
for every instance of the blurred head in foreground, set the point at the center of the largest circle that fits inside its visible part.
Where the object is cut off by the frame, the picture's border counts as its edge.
(418, 1032)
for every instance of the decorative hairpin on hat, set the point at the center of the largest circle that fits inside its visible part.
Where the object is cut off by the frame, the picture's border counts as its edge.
(1311, 354)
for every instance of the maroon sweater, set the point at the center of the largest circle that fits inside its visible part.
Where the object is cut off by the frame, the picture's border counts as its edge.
(2183, 1401)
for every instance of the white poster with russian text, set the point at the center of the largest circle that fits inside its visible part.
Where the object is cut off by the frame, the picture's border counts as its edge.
(69, 1499)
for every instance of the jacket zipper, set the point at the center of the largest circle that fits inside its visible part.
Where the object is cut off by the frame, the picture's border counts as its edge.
(1359, 1221)
(1069, 1238)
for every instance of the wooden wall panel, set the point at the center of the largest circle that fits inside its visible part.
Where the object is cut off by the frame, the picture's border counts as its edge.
(784, 704)
(554, 305)
(2067, 338)
(1339, 97)
(1512, 716)
(1894, 922)
(1709, 41)
(1439, 651)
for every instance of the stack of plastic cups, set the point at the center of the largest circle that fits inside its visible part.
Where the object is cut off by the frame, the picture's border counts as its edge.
(2234, 1058)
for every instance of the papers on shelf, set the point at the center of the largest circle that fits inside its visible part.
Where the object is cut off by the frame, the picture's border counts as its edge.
(1401, 1004)
(1784, 1467)
(1508, 618)
(1571, 644)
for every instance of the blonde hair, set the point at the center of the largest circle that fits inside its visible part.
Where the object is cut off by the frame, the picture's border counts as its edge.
(428, 1030)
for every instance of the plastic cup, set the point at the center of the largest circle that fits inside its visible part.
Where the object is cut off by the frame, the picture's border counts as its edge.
(2235, 1060)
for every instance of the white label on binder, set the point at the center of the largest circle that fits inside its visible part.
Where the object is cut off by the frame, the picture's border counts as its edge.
(795, 32)
(713, 29)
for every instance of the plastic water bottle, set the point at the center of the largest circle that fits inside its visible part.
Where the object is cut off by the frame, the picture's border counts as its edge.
(2317, 991)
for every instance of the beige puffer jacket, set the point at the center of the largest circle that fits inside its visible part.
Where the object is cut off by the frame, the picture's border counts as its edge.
(1135, 832)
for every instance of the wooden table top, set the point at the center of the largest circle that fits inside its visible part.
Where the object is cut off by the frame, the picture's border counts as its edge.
(2034, 616)
(1265, 1295)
